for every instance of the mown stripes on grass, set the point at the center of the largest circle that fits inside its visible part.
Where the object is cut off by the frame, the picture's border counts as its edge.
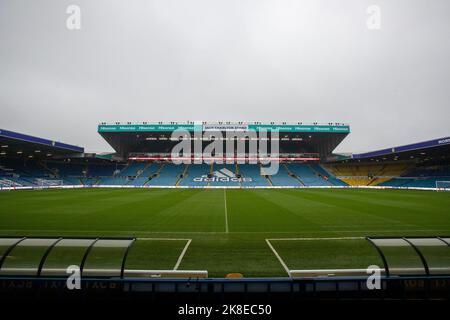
(249, 216)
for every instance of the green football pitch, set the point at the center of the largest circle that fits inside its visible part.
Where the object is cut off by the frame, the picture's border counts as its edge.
(249, 231)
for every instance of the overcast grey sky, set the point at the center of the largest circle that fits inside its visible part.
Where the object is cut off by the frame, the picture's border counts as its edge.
(229, 60)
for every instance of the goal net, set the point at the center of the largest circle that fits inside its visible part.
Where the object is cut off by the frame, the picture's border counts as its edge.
(443, 185)
(46, 183)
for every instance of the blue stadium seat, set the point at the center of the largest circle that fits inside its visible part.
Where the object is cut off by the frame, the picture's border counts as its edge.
(196, 175)
(132, 169)
(252, 171)
(224, 175)
(421, 177)
(168, 175)
(282, 178)
(330, 177)
(307, 175)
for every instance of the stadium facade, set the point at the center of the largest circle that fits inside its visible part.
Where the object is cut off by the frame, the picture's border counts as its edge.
(143, 158)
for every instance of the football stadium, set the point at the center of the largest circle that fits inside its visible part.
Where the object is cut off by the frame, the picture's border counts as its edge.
(143, 217)
(224, 159)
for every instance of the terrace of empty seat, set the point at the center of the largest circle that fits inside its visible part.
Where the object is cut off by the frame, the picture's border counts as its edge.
(196, 175)
(224, 175)
(74, 181)
(282, 178)
(23, 168)
(133, 169)
(167, 176)
(252, 171)
(307, 175)
(67, 169)
(114, 181)
(89, 181)
(140, 181)
(150, 169)
(328, 176)
(362, 174)
(429, 171)
(96, 170)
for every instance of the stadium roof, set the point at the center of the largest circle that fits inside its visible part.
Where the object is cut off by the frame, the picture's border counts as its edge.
(154, 137)
(23, 145)
(223, 126)
(425, 150)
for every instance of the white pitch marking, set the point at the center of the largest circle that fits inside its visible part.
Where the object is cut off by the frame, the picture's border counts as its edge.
(302, 239)
(162, 239)
(279, 258)
(226, 209)
(317, 239)
(180, 258)
(182, 254)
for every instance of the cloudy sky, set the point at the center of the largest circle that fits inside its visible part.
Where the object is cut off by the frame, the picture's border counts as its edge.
(229, 60)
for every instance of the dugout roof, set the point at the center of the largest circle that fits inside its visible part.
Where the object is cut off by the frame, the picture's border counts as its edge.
(51, 256)
(404, 256)
(14, 144)
(147, 137)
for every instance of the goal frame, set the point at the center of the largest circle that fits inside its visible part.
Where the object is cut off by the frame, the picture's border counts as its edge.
(43, 185)
(438, 188)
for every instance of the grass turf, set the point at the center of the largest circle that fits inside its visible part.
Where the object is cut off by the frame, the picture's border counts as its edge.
(252, 215)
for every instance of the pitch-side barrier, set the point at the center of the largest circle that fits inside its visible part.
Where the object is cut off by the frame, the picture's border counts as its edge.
(217, 187)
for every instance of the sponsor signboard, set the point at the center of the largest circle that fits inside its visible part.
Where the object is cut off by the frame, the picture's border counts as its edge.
(223, 127)
(222, 175)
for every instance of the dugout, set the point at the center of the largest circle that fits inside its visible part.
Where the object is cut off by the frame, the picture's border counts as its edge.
(414, 267)
(405, 256)
(50, 257)
(38, 256)
(400, 256)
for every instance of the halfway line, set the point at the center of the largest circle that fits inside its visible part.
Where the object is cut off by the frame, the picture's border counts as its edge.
(226, 210)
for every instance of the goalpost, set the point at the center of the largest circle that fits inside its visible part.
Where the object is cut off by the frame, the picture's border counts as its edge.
(46, 183)
(443, 185)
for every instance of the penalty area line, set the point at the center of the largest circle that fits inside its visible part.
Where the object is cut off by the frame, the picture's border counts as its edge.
(283, 264)
(278, 257)
(182, 254)
(180, 258)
